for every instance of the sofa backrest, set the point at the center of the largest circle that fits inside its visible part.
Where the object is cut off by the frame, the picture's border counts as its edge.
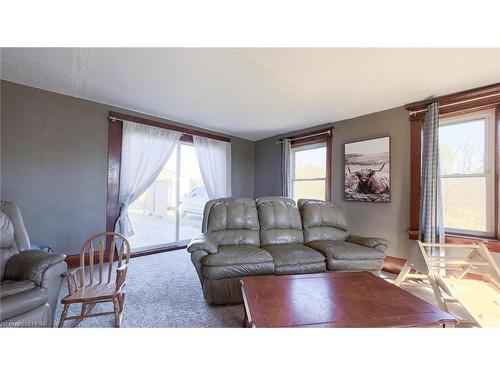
(232, 221)
(7, 243)
(322, 221)
(21, 239)
(279, 221)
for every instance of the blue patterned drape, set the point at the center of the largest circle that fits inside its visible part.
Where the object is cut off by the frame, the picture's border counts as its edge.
(431, 211)
(285, 168)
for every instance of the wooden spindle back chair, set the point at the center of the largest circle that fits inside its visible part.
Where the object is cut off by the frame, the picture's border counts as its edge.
(97, 282)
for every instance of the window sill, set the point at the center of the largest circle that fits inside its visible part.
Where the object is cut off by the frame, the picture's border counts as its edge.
(493, 245)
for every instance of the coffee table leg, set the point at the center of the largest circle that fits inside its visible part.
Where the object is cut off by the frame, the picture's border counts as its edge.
(245, 323)
(246, 320)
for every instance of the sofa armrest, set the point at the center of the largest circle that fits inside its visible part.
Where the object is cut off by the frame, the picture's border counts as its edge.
(31, 265)
(374, 242)
(204, 242)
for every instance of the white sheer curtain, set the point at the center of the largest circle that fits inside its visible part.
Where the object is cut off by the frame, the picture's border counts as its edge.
(214, 158)
(145, 151)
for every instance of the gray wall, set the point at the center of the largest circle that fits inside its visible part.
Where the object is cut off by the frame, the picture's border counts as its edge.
(54, 163)
(389, 220)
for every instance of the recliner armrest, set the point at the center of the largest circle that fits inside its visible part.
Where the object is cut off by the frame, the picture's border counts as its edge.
(31, 265)
(374, 242)
(204, 242)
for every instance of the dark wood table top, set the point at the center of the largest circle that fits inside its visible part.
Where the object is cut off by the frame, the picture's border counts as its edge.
(335, 299)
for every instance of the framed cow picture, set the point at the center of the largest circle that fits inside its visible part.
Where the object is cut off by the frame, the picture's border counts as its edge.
(367, 165)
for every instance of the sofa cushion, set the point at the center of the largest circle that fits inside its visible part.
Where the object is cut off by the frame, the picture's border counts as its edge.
(237, 254)
(233, 221)
(17, 297)
(322, 221)
(280, 221)
(346, 250)
(294, 254)
(295, 269)
(9, 287)
(237, 260)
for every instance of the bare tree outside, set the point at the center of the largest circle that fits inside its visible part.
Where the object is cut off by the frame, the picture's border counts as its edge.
(464, 183)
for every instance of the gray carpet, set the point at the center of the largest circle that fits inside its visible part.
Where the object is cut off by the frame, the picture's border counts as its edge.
(163, 290)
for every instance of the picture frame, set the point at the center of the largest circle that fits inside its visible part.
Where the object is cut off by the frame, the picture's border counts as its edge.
(367, 170)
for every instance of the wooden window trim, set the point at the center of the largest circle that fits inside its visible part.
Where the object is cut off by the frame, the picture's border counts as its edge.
(458, 103)
(455, 104)
(115, 137)
(167, 124)
(314, 137)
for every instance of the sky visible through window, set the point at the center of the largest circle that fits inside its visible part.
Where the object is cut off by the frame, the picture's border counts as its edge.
(310, 163)
(462, 147)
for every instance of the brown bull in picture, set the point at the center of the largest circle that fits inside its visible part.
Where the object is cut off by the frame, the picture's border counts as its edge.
(369, 182)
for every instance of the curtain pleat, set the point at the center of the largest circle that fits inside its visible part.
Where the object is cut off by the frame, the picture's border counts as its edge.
(286, 189)
(431, 211)
(214, 158)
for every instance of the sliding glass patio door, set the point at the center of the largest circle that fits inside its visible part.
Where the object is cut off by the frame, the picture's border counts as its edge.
(170, 212)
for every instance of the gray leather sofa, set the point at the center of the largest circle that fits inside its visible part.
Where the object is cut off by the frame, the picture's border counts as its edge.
(30, 280)
(272, 236)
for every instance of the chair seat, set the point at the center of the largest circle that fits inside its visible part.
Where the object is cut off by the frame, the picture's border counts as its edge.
(237, 260)
(343, 250)
(98, 292)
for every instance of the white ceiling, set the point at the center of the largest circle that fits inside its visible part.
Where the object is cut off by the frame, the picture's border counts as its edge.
(252, 93)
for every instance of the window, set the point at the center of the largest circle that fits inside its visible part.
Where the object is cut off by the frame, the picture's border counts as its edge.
(467, 157)
(470, 123)
(309, 171)
(171, 210)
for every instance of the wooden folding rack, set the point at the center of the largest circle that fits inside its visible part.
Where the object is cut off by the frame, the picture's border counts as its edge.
(466, 274)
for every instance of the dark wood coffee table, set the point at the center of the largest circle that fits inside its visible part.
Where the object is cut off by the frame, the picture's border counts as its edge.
(335, 299)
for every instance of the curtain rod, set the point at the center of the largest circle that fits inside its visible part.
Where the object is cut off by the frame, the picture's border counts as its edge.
(413, 113)
(329, 132)
(115, 117)
(112, 118)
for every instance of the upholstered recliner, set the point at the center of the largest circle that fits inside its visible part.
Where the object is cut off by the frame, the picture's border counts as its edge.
(228, 249)
(281, 235)
(30, 280)
(326, 230)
